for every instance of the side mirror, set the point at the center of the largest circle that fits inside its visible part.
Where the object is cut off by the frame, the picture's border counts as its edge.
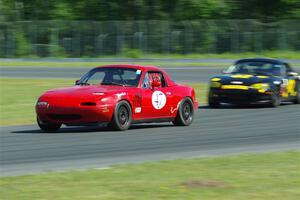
(292, 74)
(155, 84)
(225, 71)
(77, 82)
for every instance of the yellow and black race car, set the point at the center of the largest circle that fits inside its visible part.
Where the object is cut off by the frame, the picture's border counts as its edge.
(258, 80)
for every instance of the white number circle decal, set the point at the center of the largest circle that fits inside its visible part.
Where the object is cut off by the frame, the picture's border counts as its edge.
(158, 100)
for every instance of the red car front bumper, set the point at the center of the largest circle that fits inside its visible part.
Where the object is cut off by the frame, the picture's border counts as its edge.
(75, 115)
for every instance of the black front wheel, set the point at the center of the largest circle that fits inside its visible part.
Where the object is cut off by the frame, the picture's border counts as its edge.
(275, 98)
(185, 114)
(212, 101)
(48, 127)
(122, 117)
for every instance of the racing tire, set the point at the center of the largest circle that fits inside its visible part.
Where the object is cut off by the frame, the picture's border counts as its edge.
(122, 117)
(185, 114)
(48, 127)
(275, 98)
(213, 102)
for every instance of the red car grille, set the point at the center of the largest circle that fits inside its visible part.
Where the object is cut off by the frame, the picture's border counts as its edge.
(64, 117)
(88, 104)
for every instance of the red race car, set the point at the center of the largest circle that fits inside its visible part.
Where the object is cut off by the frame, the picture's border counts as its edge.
(119, 95)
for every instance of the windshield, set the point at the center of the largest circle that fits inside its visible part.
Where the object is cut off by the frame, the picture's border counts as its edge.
(112, 76)
(256, 68)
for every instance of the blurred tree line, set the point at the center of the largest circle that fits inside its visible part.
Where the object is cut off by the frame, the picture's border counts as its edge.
(99, 10)
(78, 28)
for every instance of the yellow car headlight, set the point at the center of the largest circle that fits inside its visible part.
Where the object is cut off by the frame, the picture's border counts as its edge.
(214, 84)
(261, 87)
(215, 79)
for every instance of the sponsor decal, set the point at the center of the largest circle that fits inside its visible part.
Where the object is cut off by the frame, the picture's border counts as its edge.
(283, 88)
(138, 72)
(291, 88)
(175, 109)
(234, 87)
(119, 95)
(276, 82)
(158, 100)
(262, 76)
(98, 93)
(285, 82)
(105, 109)
(237, 82)
(138, 110)
(242, 76)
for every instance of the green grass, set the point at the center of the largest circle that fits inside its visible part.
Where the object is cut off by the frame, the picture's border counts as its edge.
(273, 176)
(201, 90)
(18, 97)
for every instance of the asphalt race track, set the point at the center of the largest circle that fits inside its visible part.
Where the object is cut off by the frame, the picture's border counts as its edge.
(181, 74)
(24, 149)
(228, 130)
(184, 74)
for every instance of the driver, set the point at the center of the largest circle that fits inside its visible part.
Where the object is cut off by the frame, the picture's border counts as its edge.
(108, 78)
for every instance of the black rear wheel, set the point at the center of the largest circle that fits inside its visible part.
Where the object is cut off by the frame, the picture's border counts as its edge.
(48, 127)
(122, 117)
(185, 114)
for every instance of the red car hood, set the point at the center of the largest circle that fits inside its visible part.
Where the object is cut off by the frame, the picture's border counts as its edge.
(85, 90)
(80, 93)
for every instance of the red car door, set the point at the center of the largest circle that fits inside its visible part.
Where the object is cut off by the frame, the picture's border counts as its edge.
(156, 101)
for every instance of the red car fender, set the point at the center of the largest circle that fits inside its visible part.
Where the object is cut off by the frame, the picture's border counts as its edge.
(190, 93)
(133, 98)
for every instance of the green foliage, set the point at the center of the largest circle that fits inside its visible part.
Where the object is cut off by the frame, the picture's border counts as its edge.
(132, 53)
(22, 48)
(57, 51)
(6, 10)
(145, 9)
(62, 10)
(201, 9)
(86, 28)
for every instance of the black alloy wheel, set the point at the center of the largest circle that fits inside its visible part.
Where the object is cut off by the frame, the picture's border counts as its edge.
(122, 117)
(185, 114)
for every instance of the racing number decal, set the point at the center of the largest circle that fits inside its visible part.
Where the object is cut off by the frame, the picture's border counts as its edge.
(158, 100)
(288, 88)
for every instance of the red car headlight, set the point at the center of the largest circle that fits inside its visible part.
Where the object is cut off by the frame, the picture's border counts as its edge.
(42, 104)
